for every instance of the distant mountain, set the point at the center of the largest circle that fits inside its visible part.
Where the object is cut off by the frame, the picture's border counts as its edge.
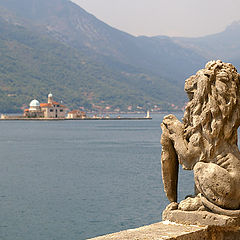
(69, 23)
(130, 71)
(224, 45)
(55, 44)
(33, 64)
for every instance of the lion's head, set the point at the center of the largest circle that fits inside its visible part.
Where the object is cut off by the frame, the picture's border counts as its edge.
(213, 109)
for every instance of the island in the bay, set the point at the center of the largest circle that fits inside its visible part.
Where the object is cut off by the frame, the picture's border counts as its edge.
(53, 110)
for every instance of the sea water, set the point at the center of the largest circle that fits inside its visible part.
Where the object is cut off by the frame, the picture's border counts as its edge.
(80, 179)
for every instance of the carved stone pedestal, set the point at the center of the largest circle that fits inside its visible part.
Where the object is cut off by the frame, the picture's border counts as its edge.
(219, 227)
(201, 218)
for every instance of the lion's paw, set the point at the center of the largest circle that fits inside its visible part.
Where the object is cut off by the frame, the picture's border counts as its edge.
(191, 204)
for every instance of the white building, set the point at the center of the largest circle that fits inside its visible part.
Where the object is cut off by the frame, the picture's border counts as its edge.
(51, 109)
(76, 114)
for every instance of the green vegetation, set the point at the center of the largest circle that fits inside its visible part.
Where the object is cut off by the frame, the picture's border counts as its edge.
(33, 64)
(55, 45)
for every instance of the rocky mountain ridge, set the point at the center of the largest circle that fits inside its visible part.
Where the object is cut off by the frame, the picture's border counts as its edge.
(224, 45)
(69, 23)
(152, 68)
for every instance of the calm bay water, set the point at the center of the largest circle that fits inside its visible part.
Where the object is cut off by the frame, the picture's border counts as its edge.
(79, 179)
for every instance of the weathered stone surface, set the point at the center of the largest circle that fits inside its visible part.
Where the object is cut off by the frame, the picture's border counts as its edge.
(200, 218)
(173, 231)
(159, 231)
(170, 166)
(206, 141)
(190, 204)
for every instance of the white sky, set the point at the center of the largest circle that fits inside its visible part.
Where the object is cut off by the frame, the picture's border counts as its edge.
(189, 18)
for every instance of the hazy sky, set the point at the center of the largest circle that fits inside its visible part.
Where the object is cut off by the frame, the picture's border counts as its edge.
(165, 17)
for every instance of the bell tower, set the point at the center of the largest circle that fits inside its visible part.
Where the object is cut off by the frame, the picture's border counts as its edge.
(50, 98)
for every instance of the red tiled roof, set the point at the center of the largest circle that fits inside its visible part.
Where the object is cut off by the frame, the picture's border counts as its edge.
(57, 103)
(51, 104)
(45, 105)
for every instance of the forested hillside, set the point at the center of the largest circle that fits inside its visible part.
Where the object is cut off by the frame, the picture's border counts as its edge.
(32, 65)
(55, 45)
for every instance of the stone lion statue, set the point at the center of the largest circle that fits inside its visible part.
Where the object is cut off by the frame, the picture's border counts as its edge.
(206, 141)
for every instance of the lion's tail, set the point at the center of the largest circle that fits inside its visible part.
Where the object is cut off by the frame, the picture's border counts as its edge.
(216, 209)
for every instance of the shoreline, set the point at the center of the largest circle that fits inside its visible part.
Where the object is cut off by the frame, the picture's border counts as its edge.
(73, 119)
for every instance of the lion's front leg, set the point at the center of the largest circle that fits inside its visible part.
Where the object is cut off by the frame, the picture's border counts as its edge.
(169, 163)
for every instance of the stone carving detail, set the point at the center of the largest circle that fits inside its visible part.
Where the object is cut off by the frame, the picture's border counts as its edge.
(206, 141)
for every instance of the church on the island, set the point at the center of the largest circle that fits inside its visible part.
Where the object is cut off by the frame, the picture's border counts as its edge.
(51, 109)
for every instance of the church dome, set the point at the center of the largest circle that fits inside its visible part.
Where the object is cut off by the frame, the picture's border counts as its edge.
(34, 103)
(50, 95)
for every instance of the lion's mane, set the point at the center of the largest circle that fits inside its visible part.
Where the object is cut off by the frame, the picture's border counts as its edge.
(214, 106)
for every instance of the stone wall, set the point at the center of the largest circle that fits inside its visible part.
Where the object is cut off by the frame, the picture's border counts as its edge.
(171, 231)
